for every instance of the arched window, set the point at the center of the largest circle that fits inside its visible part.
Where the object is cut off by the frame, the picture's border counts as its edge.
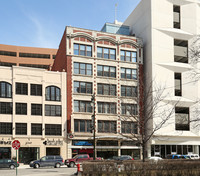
(52, 93)
(5, 90)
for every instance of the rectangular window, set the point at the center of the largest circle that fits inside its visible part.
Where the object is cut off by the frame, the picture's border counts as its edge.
(36, 109)
(127, 73)
(8, 53)
(182, 118)
(22, 88)
(177, 17)
(129, 109)
(106, 53)
(82, 126)
(106, 108)
(82, 87)
(107, 126)
(5, 128)
(178, 85)
(82, 68)
(106, 89)
(181, 51)
(36, 129)
(82, 106)
(51, 129)
(6, 108)
(106, 71)
(128, 56)
(21, 129)
(35, 55)
(129, 91)
(53, 110)
(21, 108)
(129, 127)
(83, 50)
(36, 89)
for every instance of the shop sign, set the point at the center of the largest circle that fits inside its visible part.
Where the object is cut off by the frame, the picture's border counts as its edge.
(54, 142)
(5, 142)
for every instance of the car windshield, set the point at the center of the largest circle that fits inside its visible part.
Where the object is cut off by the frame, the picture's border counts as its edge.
(75, 157)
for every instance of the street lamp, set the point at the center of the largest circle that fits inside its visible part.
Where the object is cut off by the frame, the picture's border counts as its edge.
(93, 125)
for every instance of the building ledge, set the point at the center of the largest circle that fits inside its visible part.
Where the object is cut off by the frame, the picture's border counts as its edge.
(179, 101)
(177, 66)
(176, 33)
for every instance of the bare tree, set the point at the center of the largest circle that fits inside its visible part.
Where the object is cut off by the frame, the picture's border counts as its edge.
(154, 113)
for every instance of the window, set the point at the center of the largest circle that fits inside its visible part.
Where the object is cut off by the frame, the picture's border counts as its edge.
(129, 109)
(128, 73)
(82, 106)
(82, 87)
(33, 55)
(6, 108)
(178, 87)
(106, 89)
(22, 88)
(51, 129)
(53, 110)
(5, 90)
(8, 53)
(82, 68)
(83, 50)
(7, 64)
(128, 91)
(21, 129)
(180, 51)
(107, 126)
(106, 53)
(182, 118)
(36, 89)
(21, 108)
(36, 129)
(177, 17)
(106, 71)
(129, 127)
(5, 128)
(82, 126)
(53, 93)
(36, 109)
(106, 108)
(128, 56)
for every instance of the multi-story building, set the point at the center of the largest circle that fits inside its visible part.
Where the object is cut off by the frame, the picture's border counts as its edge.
(108, 68)
(33, 111)
(26, 56)
(168, 28)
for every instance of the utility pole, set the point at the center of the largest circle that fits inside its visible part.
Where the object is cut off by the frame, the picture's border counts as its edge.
(93, 126)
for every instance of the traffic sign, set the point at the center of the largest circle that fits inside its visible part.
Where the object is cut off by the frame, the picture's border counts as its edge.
(16, 144)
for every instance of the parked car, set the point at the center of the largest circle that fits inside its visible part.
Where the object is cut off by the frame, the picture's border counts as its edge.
(8, 163)
(124, 157)
(51, 160)
(78, 159)
(113, 158)
(193, 156)
(155, 158)
(178, 157)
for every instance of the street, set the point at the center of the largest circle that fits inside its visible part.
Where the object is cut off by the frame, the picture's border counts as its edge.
(48, 171)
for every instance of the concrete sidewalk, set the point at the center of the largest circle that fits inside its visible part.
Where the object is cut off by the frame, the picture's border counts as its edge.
(26, 166)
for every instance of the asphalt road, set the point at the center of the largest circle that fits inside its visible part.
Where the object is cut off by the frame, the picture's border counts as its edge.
(48, 171)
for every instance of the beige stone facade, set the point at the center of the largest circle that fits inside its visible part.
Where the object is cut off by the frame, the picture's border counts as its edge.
(33, 110)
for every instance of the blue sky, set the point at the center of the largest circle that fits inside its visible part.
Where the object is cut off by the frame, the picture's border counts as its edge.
(41, 23)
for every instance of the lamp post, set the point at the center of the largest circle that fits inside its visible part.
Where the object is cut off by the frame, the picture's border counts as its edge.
(93, 125)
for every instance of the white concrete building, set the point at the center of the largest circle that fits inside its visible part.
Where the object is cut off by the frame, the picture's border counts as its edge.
(168, 28)
(32, 111)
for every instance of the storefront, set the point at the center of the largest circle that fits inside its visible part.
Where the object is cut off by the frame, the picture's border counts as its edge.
(5, 148)
(28, 154)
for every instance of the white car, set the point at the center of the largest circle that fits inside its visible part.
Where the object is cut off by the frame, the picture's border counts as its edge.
(194, 156)
(156, 158)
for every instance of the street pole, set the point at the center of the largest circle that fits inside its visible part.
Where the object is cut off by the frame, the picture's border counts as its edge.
(16, 162)
(94, 128)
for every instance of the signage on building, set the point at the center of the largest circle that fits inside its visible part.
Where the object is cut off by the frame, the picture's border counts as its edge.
(16, 144)
(5, 142)
(53, 142)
